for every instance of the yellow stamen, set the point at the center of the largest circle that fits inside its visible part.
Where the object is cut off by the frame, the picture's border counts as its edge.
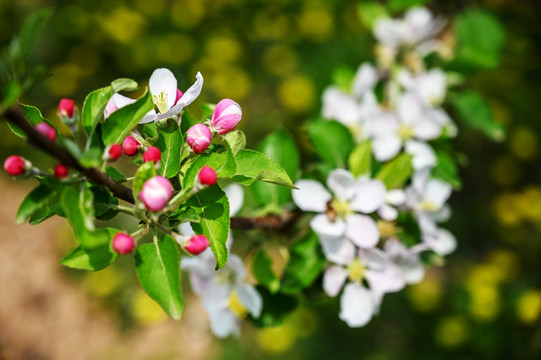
(405, 132)
(387, 229)
(161, 102)
(428, 206)
(341, 208)
(236, 306)
(356, 271)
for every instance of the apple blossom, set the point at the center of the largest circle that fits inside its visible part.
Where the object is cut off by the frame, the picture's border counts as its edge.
(61, 171)
(197, 244)
(16, 165)
(46, 130)
(113, 152)
(207, 176)
(225, 117)
(123, 243)
(130, 146)
(66, 108)
(156, 193)
(199, 137)
(152, 154)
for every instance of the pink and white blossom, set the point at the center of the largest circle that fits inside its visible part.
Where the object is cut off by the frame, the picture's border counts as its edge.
(156, 193)
(225, 117)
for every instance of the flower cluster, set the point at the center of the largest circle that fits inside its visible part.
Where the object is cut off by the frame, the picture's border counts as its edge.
(360, 218)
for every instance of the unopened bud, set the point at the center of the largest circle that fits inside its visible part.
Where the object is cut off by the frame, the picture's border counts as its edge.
(16, 165)
(226, 116)
(66, 108)
(199, 137)
(196, 244)
(207, 176)
(156, 192)
(113, 152)
(123, 243)
(46, 130)
(152, 154)
(130, 146)
(61, 171)
(179, 95)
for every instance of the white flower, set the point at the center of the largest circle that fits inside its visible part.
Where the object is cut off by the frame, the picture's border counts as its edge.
(394, 198)
(430, 86)
(406, 259)
(358, 304)
(339, 225)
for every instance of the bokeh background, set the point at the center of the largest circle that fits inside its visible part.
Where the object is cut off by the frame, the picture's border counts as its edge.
(275, 58)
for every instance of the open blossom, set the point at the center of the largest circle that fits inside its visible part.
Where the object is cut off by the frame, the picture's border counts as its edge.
(225, 117)
(407, 260)
(156, 193)
(358, 303)
(340, 223)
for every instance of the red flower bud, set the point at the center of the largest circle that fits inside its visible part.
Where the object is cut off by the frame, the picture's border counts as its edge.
(61, 171)
(114, 152)
(198, 137)
(130, 146)
(123, 243)
(46, 130)
(197, 244)
(207, 176)
(66, 108)
(15, 165)
(152, 154)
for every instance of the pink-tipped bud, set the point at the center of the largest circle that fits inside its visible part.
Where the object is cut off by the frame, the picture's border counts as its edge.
(66, 108)
(179, 95)
(226, 116)
(152, 154)
(130, 146)
(46, 130)
(207, 176)
(197, 244)
(156, 192)
(113, 152)
(61, 171)
(199, 137)
(15, 165)
(123, 243)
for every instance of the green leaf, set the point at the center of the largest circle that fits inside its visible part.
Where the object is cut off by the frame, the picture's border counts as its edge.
(38, 199)
(370, 11)
(115, 174)
(237, 141)
(207, 110)
(124, 84)
(34, 117)
(184, 214)
(78, 206)
(475, 111)
(230, 166)
(169, 142)
(158, 269)
(253, 165)
(332, 141)
(276, 308)
(217, 161)
(144, 172)
(397, 171)
(480, 39)
(104, 203)
(401, 5)
(212, 207)
(305, 264)
(280, 147)
(360, 159)
(122, 121)
(188, 120)
(30, 32)
(446, 170)
(93, 108)
(92, 259)
(262, 270)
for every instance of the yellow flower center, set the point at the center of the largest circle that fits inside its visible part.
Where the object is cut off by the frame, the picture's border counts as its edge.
(356, 271)
(405, 132)
(161, 102)
(428, 206)
(341, 208)
(387, 229)
(357, 131)
(236, 306)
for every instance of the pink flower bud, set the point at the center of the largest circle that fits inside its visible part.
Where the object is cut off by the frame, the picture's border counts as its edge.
(46, 130)
(179, 95)
(226, 116)
(199, 137)
(130, 146)
(113, 152)
(152, 154)
(15, 165)
(197, 244)
(156, 192)
(61, 171)
(66, 108)
(207, 176)
(123, 243)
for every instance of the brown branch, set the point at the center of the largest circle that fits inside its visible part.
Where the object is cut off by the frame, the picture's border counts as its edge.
(269, 222)
(16, 117)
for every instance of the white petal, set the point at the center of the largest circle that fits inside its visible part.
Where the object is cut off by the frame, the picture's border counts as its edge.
(311, 196)
(374, 259)
(413, 269)
(385, 124)
(387, 212)
(423, 154)
(338, 250)
(340, 106)
(395, 249)
(369, 196)
(250, 298)
(385, 148)
(443, 243)
(342, 184)
(432, 87)
(235, 266)
(396, 197)
(362, 230)
(437, 192)
(409, 108)
(334, 279)
(322, 226)
(223, 323)
(163, 84)
(365, 79)
(391, 279)
(387, 31)
(356, 305)
(189, 97)
(120, 100)
(235, 195)
(186, 229)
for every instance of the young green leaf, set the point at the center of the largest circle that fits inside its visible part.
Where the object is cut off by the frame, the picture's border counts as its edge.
(262, 269)
(360, 159)
(212, 207)
(370, 11)
(145, 172)
(93, 108)
(157, 266)
(78, 206)
(305, 264)
(395, 173)
(33, 115)
(253, 165)
(332, 141)
(93, 259)
(446, 170)
(276, 308)
(169, 142)
(122, 121)
(475, 111)
(124, 84)
(237, 141)
(38, 199)
(115, 174)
